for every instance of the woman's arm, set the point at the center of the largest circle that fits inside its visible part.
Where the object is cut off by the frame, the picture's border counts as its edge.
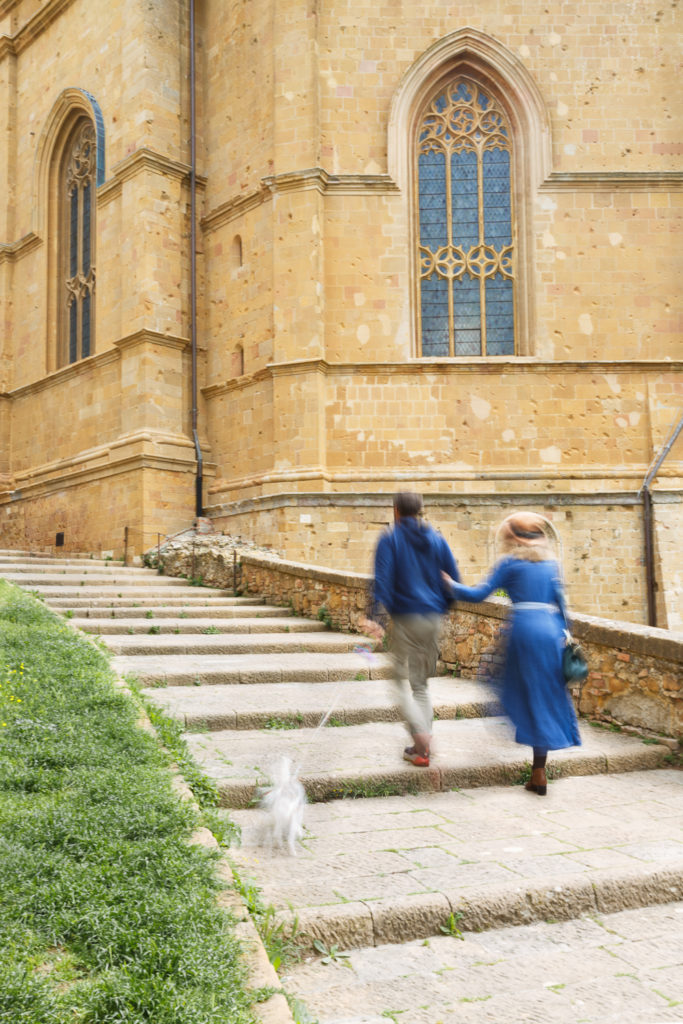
(460, 592)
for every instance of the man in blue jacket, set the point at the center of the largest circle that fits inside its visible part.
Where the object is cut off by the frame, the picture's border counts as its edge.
(408, 585)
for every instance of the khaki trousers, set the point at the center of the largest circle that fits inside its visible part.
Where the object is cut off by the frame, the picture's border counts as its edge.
(415, 650)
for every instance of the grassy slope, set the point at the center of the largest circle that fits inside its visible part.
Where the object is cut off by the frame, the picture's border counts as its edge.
(106, 914)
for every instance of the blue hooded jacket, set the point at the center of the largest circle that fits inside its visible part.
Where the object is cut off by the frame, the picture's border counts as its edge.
(408, 564)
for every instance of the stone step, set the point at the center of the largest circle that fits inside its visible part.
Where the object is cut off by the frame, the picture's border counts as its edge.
(208, 669)
(191, 644)
(366, 760)
(394, 869)
(179, 587)
(300, 705)
(214, 599)
(599, 968)
(206, 614)
(53, 582)
(104, 570)
(12, 557)
(120, 626)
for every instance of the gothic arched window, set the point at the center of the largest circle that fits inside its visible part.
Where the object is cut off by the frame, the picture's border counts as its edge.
(76, 291)
(465, 240)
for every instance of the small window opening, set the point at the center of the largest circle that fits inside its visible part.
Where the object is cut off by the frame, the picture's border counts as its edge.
(237, 251)
(59, 540)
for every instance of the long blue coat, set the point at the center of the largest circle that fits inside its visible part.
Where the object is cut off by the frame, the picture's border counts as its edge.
(534, 694)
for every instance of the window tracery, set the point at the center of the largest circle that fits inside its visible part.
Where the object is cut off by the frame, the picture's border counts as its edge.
(77, 266)
(466, 225)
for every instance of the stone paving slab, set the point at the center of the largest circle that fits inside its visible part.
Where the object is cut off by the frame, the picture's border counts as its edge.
(179, 669)
(191, 644)
(367, 759)
(393, 869)
(300, 704)
(107, 626)
(621, 968)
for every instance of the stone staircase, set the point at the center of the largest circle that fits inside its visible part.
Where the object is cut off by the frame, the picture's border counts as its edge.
(457, 842)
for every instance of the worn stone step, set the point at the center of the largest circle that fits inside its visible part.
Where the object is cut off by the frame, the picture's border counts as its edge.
(53, 582)
(122, 626)
(174, 602)
(104, 570)
(300, 705)
(191, 644)
(179, 588)
(363, 760)
(212, 669)
(204, 614)
(19, 557)
(391, 870)
(606, 968)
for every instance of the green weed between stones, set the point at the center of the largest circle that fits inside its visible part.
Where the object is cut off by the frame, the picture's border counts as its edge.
(107, 914)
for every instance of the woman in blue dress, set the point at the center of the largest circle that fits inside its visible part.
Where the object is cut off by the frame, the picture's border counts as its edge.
(534, 693)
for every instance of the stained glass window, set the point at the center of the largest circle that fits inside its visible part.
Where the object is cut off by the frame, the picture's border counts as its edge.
(77, 283)
(466, 248)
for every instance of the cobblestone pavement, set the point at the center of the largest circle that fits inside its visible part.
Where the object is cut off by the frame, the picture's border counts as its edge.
(624, 968)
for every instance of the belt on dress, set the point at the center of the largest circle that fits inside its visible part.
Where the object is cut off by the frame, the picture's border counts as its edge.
(535, 606)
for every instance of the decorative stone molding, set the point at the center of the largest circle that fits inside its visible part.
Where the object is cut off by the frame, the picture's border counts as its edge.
(313, 179)
(613, 181)
(66, 373)
(10, 252)
(36, 24)
(482, 55)
(145, 336)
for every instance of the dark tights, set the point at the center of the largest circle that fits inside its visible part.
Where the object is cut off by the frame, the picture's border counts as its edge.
(540, 757)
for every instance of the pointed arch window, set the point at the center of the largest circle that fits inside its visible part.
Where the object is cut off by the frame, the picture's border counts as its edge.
(77, 182)
(466, 249)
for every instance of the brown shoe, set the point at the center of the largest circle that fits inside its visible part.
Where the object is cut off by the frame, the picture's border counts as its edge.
(538, 783)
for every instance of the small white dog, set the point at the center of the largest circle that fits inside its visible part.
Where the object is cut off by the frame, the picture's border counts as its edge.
(284, 803)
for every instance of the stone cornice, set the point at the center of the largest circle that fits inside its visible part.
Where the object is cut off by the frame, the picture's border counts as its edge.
(451, 474)
(10, 252)
(466, 365)
(147, 337)
(7, 47)
(380, 499)
(32, 28)
(119, 459)
(613, 181)
(311, 179)
(316, 178)
(65, 373)
(342, 184)
(142, 160)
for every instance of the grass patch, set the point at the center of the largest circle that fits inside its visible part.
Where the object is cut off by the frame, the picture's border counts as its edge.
(107, 915)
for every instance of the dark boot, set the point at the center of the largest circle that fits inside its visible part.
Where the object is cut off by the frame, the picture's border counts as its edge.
(538, 783)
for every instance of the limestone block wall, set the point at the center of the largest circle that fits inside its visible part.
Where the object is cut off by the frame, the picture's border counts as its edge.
(636, 672)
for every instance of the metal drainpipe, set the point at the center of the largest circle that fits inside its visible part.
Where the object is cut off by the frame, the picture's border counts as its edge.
(193, 267)
(647, 526)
